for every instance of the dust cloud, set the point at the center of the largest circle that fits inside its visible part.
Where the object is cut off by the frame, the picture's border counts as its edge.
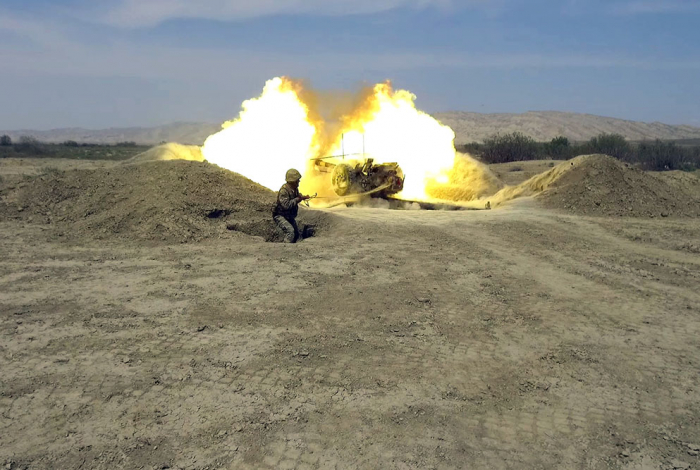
(293, 125)
(468, 180)
(169, 151)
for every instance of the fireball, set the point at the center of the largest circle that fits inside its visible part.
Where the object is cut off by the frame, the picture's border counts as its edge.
(271, 135)
(283, 129)
(389, 128)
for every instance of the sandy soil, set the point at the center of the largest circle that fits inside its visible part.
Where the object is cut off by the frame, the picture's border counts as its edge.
(513, 338)
(13, 167)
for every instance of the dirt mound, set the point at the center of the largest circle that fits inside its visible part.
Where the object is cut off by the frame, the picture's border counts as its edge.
(683, 180)
(602, 185)
(175, 201)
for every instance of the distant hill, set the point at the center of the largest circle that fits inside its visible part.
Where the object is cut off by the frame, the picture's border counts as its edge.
(545, 125)
(468, 127)
(182, 132)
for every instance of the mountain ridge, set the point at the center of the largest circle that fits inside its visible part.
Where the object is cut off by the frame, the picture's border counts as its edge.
(546, 125)
(468, 127)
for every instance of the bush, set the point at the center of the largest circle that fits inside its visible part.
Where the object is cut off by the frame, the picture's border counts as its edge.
(70, 143)
(614, 145)
(513, 147)
(660, 156)
(30, 146)
(654, 156)
(558, 149)
(474, 148)
(695, 157)
(5, 141)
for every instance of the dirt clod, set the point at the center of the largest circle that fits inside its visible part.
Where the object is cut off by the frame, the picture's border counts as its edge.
(679, 465)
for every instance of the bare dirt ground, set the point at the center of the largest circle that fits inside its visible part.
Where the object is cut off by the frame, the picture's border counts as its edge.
(12, 167)
(513, 338)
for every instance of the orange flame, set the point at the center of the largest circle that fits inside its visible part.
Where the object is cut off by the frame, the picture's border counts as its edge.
(283, 128)
(272, 134)
(389, 128)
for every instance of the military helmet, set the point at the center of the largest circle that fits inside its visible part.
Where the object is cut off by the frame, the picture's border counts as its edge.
(292, 176)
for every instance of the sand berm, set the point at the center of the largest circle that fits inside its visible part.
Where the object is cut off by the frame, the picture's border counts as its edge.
(188, 200)
(172, 201)
(599, 185)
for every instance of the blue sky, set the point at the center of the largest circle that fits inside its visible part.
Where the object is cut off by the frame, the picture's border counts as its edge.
(122, 63)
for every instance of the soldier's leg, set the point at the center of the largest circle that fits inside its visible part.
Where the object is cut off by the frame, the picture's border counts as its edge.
(294, 225)
(287, 228)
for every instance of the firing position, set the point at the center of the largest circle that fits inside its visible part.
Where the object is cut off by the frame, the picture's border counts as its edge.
(287, 207)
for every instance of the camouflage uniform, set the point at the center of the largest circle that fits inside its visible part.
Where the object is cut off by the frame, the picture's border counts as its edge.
(285, 212)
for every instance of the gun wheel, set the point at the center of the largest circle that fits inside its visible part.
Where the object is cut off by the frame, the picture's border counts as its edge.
(340, 179)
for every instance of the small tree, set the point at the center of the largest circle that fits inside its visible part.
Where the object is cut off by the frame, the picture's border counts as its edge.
(614, 145)
(513, 147)
(558, 148)
(5, 141)
(694, 158)
(30, 146)
(660, 156)
(473, 148)
(70, 143)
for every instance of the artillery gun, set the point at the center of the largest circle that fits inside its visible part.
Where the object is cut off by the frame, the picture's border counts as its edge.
(361, 177)
(367, 178)
(354, 179)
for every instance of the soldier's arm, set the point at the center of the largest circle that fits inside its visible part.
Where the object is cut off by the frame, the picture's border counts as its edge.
(286, 200)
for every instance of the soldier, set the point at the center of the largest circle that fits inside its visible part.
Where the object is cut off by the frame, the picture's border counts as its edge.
(287, 206)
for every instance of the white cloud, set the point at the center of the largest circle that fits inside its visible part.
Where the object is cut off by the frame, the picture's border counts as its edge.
(55, 51)
(36, 32)
(51, 49)
(203, 65)
(137, 13)
(656, 6)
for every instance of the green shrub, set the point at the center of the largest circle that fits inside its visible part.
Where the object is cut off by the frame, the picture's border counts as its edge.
(558, 149)
(70, 143)
(473, 148)
(513, 147)
(5, 141)
(31, 146)
(654, 156)
(614, 145)
(660, 156)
